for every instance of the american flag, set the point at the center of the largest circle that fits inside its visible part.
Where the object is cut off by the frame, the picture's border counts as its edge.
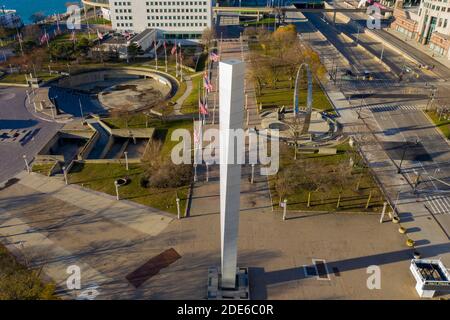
(127, 35)
(44, 38)
(214, 57)
(203, 107)
(174, 49)
(99, 35)
(165, 44)
(207, 84)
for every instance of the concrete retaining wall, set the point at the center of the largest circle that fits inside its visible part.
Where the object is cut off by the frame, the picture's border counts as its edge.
(130, 160)
(89, 146)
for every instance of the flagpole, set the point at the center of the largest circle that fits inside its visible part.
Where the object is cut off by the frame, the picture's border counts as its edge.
(181, 63)
(156, 56)
(165, 53)
(176, 60)
(20, 42)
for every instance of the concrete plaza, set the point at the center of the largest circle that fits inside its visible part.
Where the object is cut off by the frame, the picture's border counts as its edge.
(49, 225)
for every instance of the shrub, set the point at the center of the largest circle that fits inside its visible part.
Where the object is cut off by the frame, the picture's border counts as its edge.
(169, 175)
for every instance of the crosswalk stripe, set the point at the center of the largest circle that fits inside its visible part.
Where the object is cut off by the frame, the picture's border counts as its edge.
(387, 108)
(433, 207)
(439, 204)
(446, 200)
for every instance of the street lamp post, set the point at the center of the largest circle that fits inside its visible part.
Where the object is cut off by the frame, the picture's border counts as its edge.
(81, 110)
(178, 208)
(431, 97)
(396, 202)
(253, 173)
(116, 184)
(126, 160)
(284, 209)
(382, 52)
(357, 35)
(401, 160)
(27, 165)
(66, 180)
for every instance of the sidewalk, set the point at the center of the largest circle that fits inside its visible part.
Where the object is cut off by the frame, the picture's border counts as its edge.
(184, 96)
(423, 48)
(138, 217)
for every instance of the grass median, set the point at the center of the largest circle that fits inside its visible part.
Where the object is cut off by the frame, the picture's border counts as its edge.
(441, 123)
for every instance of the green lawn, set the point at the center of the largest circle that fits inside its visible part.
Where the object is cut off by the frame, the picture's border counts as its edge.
(282, 95)
(98, 20)
(443, 125)
(78, 35)
(20, 283)
(181, 90)
(20, 77)
(43, 168)
(266, 21)
(326, 198)
(101, 177)
(190, 105)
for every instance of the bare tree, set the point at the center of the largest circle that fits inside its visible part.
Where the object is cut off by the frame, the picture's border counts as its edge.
(208, 36)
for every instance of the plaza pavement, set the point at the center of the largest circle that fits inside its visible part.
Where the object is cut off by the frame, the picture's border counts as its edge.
(54, 226)
(54, 232)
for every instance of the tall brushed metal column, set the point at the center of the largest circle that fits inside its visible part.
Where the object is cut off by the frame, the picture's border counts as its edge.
(231, 98)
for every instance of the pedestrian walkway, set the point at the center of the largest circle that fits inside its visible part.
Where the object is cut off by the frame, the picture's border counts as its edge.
(179, 103)
(368, 84)
(439, 204)
(389, 108)
(139, 217)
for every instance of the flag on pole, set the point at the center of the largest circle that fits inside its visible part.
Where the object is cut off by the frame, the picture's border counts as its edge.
(73, 37)
(174, 49)
(99, 35)
(165, 44)
(44, 38)
(214, 57)
(156, 53)
(206, 83)
(203, 107)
